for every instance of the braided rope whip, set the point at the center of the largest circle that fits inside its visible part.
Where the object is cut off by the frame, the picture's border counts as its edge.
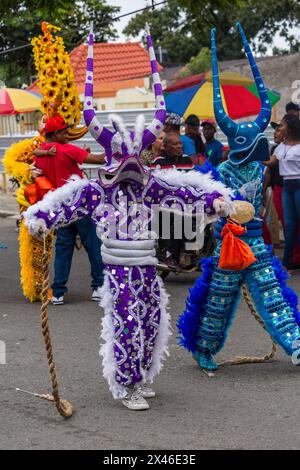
(251, 359)
(64, 407)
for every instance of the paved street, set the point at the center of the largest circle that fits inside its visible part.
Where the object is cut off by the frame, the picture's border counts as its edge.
(250, 406)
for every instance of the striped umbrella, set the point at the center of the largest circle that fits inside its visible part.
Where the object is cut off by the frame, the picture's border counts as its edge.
(194, 95)
(15, 101)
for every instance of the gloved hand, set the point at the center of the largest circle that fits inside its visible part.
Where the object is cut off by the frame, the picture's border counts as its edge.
(37, 227)
(221, 207)
(34, 171)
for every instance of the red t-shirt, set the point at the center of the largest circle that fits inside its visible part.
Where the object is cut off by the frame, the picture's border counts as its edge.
(60, 167)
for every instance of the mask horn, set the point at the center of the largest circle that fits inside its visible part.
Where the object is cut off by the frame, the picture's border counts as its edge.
(227, 125)
(265, 115)
(100, 133)
(151, 133)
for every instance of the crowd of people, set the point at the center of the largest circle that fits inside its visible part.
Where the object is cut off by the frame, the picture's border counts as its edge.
(281, 201)
(281, 196)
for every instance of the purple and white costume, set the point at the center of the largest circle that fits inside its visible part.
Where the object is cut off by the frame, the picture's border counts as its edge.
(135, 327)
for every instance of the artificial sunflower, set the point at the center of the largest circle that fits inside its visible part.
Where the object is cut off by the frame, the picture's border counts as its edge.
(61, 69)
(51, 94)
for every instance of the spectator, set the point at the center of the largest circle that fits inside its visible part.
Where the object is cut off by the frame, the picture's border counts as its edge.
(276, 181)
(173, 157)
(149, 155)
(58, 166)
(192, 130)
(213, 147)
(172, 153)
(172, 125)
(293, 109)
(288, 154)
(272, 197)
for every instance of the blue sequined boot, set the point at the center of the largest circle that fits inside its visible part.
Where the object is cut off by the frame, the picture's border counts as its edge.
(205, 359)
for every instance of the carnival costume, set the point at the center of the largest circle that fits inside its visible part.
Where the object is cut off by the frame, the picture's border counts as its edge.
(57, 84)
(135, 328)
(210, 308)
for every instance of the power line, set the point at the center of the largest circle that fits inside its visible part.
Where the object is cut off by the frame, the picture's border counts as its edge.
(151, 7)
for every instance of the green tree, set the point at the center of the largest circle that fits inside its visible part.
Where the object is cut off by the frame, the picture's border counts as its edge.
(21, 20)
(200, 63)
(183, 26)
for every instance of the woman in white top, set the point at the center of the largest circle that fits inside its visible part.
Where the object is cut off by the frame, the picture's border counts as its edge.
(288, 155)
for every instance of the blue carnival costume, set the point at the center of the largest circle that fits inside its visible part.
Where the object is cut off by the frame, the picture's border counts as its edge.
(212, 302)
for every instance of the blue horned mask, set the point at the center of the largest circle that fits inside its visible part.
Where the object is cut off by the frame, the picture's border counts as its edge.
(246, 140)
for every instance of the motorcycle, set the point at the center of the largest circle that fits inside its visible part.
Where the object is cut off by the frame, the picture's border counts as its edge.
(189, 259)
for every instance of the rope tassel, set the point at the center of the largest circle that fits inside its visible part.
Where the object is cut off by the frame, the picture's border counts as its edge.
(64, 407)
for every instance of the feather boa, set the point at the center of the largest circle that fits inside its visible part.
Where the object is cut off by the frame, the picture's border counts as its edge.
(288, 294)
(204, 181)
(188, 321)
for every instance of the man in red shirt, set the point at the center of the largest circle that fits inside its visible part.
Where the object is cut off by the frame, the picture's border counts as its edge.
(58, 161)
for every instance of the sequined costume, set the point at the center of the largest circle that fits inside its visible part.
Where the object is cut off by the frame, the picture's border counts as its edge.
(122, 202)
(210, 308)
(59, 95)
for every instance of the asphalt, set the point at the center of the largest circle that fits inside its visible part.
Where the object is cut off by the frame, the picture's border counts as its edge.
(242, 407)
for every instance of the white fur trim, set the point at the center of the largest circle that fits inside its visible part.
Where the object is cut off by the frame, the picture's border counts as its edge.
(119, 124)
(193, 178)
(107, 346)
(139, 129)
(52, 202)
(161, 351)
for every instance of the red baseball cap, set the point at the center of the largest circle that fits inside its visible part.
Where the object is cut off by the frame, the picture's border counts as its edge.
(209, 122)
(55, 123)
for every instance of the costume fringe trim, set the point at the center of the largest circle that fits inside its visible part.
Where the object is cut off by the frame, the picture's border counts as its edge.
(107, 344)
(188, 322)
(161, 352)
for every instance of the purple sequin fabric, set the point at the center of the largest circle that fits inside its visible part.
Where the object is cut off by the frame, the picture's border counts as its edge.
(136, 318)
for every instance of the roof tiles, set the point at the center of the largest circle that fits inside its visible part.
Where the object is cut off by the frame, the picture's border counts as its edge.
(112, 62)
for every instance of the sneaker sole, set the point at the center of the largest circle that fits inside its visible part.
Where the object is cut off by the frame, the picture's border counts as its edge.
(57, 303)
(136, 408)
(148, 395)
(96, 299)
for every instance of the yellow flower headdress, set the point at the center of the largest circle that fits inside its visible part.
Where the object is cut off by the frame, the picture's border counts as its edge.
(54, 70)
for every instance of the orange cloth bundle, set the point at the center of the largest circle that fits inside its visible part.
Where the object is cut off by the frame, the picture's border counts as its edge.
(34, 192)
(43, 185)
(235, 253)
(31, 194)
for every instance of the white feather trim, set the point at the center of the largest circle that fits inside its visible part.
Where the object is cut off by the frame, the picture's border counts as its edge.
(164, 332)
(139, 129)
(107, 347)
(120, 126)
(194, 178)
(52, 202)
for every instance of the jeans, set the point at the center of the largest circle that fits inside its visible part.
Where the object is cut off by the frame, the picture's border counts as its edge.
(291, 212)
(64, 248)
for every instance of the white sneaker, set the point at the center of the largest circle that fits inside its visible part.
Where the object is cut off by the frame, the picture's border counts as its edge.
(57, 300)
(96, 294)
(134, 399)
(147, 391)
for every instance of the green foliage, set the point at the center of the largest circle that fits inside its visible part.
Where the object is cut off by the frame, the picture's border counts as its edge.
(200, 63)
(183, 26)
(21, 21)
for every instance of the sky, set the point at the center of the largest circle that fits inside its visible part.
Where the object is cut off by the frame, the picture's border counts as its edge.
(130, 5)
(126, 7)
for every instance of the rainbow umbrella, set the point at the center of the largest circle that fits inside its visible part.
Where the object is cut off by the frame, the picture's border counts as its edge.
(194, 95)
(15, 101)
